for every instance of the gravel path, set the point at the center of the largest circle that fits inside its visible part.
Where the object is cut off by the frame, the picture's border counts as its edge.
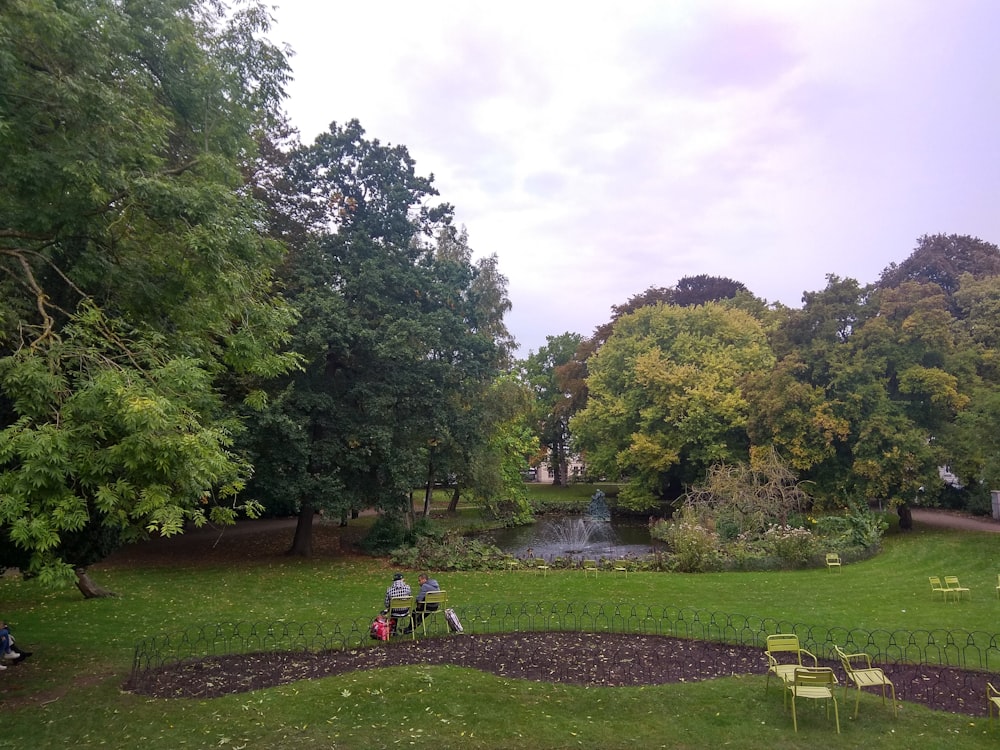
(953, 519)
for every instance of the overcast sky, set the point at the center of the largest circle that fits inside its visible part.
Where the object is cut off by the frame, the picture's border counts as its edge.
(600, 149)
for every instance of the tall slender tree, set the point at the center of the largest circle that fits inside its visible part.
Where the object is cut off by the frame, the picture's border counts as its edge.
(553, 404)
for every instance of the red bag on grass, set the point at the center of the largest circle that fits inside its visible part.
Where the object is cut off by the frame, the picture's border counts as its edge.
(380, 628)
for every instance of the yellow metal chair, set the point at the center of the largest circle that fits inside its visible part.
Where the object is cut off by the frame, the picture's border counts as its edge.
(832, 560)
(998, 585)
(864, 676)
(815, 683)
(621, 566)
(540, 564)
(784, 656)
(992, 700)
(937, 586)
(431, 598)
(954, 587)
(401, 608)
(590, 566)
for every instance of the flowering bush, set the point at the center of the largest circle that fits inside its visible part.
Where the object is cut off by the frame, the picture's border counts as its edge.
(693, 547)
(790, 544)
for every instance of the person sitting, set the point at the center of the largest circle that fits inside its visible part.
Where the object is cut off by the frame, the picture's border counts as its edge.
(9, 652)
(399, 587)
(426, 585)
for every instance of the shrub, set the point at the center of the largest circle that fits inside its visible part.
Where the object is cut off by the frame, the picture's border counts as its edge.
(543, 506)
(790, 544)
(449, 551)
(866, 528)
(694, 548)
(727, 528)
(387, 532)
(835, 531)
(509, 512)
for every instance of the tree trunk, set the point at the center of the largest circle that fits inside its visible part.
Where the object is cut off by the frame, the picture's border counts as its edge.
(559, 464)
(409, 517)
(428, 493)
(302, 543)
(905, 517)
(429, 490)
(453, 503)
(88, 588)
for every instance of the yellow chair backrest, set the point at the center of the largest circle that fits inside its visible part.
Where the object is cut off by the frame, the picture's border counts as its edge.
(399, 606)
(817, 677)
(436, 597)
(992, 701)
(845, 659)
(784, 642)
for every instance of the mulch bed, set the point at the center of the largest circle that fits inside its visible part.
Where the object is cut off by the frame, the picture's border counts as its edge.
(601, 659)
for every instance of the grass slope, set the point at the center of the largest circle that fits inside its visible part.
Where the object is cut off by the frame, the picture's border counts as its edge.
(68, 693)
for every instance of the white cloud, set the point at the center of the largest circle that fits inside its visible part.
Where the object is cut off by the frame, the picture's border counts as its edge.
(600, 152)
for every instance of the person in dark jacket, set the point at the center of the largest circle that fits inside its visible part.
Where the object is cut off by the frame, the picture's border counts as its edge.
(10, 653)
(426, 585)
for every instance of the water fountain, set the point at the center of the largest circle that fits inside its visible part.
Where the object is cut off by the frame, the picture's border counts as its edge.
(574, 536)
(594, 535)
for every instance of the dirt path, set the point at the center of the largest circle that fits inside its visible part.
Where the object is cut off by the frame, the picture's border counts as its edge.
(249, 540)
(951, 519)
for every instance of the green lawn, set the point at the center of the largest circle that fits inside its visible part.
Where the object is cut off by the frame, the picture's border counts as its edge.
(68, 693)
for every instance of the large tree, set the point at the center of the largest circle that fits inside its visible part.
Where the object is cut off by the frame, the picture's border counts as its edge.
(942, 259)
(571, 375)
(973, 441)
(869, 384)
(666, 400)
(401, 330)
(135, 284)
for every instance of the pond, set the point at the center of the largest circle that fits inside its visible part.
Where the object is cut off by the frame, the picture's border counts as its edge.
(578, 537)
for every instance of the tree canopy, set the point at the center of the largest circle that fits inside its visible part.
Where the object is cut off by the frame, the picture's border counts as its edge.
(666, 400)
(865, 392)
(136, 287)
(402, 332)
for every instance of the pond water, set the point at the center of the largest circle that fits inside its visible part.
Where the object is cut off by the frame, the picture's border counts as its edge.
(578, 537)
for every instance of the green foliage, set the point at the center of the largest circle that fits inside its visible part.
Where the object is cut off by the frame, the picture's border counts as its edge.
(793, 546)
(136, 447)
(449, 551)
(135, 288)
(867, 529)
(387, 533)
(666, 397)
(492, 471)
(693, 547)
(402, 331)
